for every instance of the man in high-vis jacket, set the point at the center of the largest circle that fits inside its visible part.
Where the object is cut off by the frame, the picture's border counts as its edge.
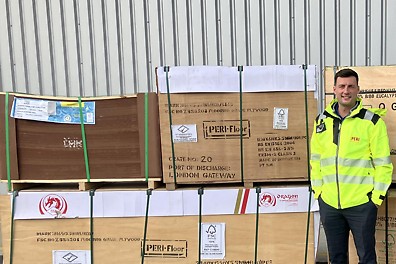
(351, 169)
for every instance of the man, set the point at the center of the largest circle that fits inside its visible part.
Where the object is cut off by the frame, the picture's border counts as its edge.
(351, 170)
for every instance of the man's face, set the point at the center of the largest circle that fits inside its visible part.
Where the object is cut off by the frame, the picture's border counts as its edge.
(346, 90)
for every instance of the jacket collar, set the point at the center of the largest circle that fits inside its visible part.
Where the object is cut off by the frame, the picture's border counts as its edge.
(331, 108)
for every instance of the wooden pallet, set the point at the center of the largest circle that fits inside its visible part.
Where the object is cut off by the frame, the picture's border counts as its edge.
(246, 184)
(84, 184)
(173, 186)
(269, 183)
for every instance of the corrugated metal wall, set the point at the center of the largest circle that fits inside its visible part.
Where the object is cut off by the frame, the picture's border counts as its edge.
(111, 47)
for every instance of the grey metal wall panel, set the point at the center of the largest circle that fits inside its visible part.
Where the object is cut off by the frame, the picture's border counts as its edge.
(111, 47)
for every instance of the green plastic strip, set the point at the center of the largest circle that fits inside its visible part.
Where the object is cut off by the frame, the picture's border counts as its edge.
(14, 195)
(149, 192)
(308, 163)
(7, 142)
(84, 140)
(200, 193)
(240, 69)
(91, 224)
(166, 69)
(146, 137)
(307, 121)
(258, 191)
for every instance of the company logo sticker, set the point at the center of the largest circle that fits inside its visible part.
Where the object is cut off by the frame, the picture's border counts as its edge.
(71, 257)
(54, 205)
(213, 240)
(184, 133)
(267, 200)
(280, 199)
(226, 129)
(281, 118)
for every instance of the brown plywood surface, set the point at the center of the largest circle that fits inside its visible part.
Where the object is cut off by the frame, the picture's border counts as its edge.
(115, 143)
(268, 154)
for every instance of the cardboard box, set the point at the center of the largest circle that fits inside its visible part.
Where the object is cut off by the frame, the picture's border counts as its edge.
(209, 145)
(170, 239)
(391, 232)
(55, 151)
(377, 89)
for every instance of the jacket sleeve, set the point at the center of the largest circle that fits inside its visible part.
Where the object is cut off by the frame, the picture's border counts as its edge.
(380, 150)
(316, 176)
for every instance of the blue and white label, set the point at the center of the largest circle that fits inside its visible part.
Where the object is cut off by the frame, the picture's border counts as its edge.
(53, 111)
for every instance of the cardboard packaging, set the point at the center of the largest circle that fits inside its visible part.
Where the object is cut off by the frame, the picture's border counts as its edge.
(115, 143)
(382, 245)
(209, 145)
(377, 89)
(282, 236)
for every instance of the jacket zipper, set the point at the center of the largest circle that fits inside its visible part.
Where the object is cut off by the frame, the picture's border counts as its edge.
(338, 146)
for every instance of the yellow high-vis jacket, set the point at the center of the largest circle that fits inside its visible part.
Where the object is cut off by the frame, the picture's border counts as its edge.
(350, 158)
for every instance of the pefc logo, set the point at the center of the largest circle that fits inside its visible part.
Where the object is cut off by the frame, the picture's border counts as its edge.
(54, 205)
(267, 200)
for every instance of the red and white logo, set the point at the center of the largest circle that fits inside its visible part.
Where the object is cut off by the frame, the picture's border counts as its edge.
(54, 205)
(267, 200)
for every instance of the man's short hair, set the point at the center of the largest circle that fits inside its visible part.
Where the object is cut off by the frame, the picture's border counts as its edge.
(344, 73)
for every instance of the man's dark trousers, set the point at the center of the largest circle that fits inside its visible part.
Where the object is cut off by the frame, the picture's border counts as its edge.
(338, 222)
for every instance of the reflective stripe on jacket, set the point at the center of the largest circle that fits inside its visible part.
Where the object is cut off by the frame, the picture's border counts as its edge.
(350, 158)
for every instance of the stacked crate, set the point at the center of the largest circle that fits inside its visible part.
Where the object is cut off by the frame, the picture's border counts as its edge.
(91, 140)
(245, 125)
(117, 227)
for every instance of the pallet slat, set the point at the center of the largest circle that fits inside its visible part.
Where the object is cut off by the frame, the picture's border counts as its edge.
(84, 185)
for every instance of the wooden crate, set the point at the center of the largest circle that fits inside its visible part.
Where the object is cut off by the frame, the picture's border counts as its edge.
(171, 239)
(44, 151)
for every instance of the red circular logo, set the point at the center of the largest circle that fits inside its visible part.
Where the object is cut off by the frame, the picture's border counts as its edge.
(54, 205)
(267, 199)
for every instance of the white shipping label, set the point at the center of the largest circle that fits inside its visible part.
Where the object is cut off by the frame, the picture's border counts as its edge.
(281, 116)
(71, 257)
(53, 111)
(213, 240)
(184, 133)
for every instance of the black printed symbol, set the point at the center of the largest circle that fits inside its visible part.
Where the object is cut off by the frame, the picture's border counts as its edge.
(281, 113)
(69, 257)
(211, 229)
(183, 129)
